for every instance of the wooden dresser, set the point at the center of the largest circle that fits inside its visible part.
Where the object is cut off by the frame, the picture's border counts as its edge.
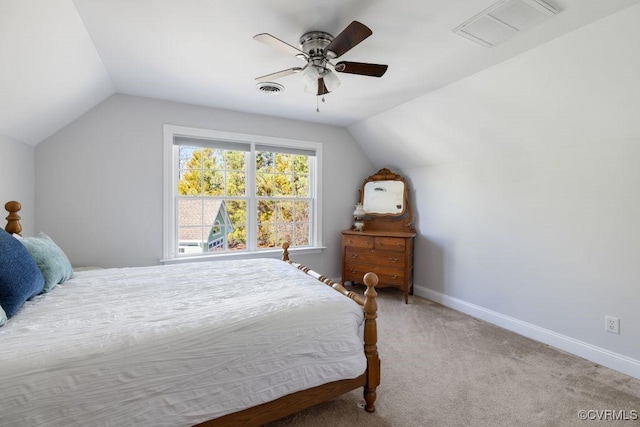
(385, 245)
(388, 254)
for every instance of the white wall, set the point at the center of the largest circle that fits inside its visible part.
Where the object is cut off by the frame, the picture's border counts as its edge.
(17, 180)
(99, 180)
(525, 178)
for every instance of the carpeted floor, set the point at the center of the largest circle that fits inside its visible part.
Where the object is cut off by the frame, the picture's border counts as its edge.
(444, 368)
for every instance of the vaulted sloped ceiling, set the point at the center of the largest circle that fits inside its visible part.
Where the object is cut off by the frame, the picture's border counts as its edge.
(51, 72)
(580, 89)
(60, 58)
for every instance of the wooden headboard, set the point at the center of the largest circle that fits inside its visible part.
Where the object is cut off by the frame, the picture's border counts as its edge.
(13, 220)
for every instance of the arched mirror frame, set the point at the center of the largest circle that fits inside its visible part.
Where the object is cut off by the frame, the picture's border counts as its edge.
(400, 222)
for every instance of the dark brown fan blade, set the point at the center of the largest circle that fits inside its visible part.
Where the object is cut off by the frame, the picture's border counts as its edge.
(267, 38)
(347, 39)
(278, 74)
(373, 70)
(322, 89)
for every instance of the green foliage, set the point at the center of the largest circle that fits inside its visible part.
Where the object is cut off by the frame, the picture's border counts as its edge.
(208, 172)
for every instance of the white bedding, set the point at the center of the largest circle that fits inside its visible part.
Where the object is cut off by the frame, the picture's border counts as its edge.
(173, 345)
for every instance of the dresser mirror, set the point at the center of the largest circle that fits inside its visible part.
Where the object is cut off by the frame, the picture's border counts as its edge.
(384, 197)
(385, 200)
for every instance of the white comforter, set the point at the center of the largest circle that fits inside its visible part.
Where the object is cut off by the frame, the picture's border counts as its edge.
(173, 345)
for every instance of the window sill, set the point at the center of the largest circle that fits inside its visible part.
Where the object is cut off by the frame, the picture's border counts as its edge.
(268, 253)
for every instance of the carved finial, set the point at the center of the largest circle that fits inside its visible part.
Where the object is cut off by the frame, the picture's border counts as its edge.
(13, 220)
(371, 280)
(285, 251)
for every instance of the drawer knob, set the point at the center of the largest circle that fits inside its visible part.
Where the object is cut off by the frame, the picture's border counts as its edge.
(354, 255)
(393, 276)
(353, 271)
(393, 259)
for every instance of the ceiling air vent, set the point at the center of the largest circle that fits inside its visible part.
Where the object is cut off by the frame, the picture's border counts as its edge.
(270, 88)
(503, 20)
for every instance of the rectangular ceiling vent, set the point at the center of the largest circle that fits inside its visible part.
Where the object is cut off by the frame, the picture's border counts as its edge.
(504, 20)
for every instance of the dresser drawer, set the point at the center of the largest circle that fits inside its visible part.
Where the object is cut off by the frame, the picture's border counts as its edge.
(392, 278)
(390, 243)
(357, 241)
(386, 275)
(374, 256)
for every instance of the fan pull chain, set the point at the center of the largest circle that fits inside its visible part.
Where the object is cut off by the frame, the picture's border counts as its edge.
(318, 103)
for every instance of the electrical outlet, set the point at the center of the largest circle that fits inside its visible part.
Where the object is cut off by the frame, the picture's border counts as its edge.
(612, 324)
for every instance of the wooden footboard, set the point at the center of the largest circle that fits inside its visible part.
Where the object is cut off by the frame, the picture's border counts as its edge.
(370, 307)
(295, 402)
(298, 401)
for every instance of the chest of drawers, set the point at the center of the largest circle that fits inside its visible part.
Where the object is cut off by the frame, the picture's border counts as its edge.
(388, 254)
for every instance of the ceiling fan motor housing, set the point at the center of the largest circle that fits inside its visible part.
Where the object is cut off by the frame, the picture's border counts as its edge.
(314, 43)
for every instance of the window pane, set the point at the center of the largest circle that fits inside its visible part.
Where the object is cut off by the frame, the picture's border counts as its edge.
(301, 164)
(236, 184)
(191, 234)
(213, 183)
(301, 211)
(189, 212)
(237, 211)
(217, 238)
(184, 155)
(265, 161)
(284, 211)
(213, 158)
(190, 183)
(282, 185)
(235, 160)
(238, 239)
(284, 163)
(301, 185)
(264, 184)
(266, 235)
(190, 240)
(266, 210)
(302, 235)
(284, 233)
(211, 210)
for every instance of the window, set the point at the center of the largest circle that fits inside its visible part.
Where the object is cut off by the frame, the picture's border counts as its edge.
(232, 193)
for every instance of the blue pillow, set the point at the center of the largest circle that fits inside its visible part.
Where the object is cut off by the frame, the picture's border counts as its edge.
(20, 277)
(51, 261)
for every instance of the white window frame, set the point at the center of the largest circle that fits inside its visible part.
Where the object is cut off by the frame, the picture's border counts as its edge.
(169, 236)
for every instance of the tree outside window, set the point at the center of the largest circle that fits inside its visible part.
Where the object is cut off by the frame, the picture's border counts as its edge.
(213, 197)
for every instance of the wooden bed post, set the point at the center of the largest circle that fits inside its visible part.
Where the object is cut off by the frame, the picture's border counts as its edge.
(371, 341)
(13, 220)
(285, 251)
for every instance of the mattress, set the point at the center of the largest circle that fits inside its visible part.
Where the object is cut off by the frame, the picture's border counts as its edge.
(174, 345)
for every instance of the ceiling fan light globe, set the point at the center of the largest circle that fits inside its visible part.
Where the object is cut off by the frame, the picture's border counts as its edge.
(331, 81)
(310, 77)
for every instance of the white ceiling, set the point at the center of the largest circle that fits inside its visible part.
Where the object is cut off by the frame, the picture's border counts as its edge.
(59, 58)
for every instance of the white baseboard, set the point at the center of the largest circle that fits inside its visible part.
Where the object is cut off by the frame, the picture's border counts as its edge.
(599, 355)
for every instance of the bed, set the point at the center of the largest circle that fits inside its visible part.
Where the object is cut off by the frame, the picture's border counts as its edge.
(240, 342)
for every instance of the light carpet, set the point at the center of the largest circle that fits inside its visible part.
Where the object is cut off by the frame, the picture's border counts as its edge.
(441, 367)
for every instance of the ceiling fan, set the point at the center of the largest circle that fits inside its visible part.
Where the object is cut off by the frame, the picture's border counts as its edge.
(317, 49)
